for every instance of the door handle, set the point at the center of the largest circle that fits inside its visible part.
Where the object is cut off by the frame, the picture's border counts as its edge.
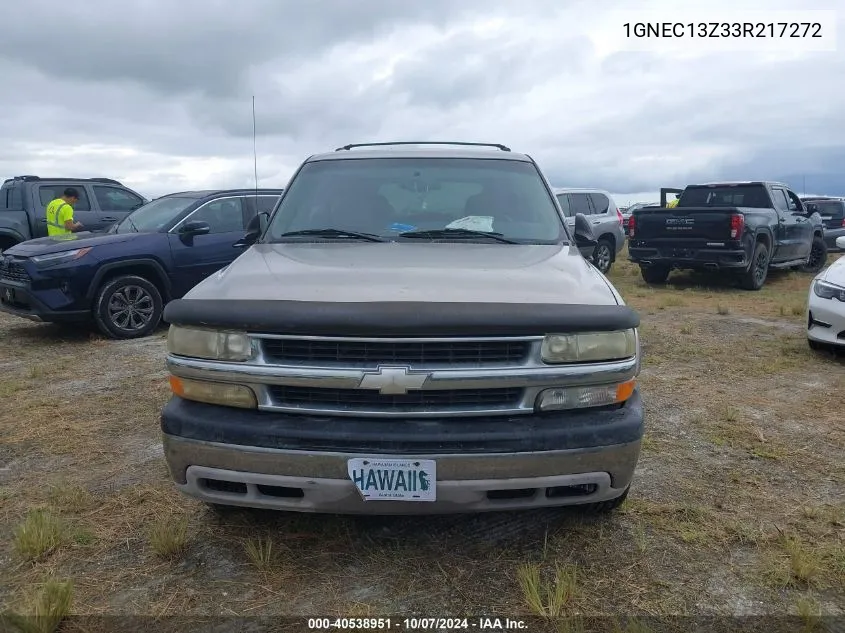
(109, 219)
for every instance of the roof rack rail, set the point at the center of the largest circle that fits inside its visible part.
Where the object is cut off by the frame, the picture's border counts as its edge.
(462, 143)
(31, 178)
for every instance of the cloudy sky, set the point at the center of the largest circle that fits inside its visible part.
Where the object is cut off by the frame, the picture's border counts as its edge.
(158, 93)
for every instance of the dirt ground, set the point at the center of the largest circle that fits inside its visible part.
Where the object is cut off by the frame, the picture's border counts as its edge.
(738, 506)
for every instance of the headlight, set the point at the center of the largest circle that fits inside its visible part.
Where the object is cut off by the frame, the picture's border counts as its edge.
(221, 393)
(827, 290)
(584, 397)
(591, 346)
(64, 256)
(209, 344)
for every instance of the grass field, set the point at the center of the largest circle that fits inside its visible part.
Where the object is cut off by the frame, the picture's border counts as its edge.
(737, 506)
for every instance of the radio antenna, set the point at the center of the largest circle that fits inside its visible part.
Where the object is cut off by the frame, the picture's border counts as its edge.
(254, 150)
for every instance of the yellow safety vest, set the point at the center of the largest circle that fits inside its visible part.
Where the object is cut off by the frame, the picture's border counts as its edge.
(55, 223)
(672, 203)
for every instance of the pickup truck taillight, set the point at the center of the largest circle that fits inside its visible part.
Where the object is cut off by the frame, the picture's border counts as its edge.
(619, 217)
(631, 226)
(737, 224)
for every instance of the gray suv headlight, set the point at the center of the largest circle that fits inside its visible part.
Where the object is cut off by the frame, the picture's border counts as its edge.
(589, 346)
(209, 344)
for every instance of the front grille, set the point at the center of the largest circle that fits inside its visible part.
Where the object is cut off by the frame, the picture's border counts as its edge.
(363, 399)
(330, 352)
(13, 272)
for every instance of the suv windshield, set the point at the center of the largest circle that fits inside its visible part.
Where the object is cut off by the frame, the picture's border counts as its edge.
(385, 197)
(153, 216)
(752, 196)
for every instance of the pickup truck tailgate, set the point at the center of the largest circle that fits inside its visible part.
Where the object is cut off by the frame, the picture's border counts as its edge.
(679, 223)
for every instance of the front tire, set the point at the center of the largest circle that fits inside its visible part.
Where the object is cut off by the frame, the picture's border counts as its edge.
(818, 256)
(755, 277)
(603, 255)
(127, 307)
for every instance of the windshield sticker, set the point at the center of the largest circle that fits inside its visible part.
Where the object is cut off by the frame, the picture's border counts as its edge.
(473, 223)
(398, 227)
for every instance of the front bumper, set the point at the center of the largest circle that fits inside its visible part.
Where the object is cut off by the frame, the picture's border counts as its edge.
(825, 320)
(299, 463)
(19, 300)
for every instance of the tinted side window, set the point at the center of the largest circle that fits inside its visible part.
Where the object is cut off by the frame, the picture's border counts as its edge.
(601, 203)
(563, 199)
(781, 202)
(48, 193)
(580, 203)
(113, 199)
(223, 216)
(265, 204)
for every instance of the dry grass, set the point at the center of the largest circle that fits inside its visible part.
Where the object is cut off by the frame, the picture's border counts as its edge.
(549, 598)
(39, 535)
(737, 499)
(168, 536)
(44, 612)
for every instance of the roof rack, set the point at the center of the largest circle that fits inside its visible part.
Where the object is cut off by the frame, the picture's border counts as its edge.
(462, 143)
(31, 178)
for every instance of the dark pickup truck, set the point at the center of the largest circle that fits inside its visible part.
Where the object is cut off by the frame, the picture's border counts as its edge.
(23, 200)
(742, 228)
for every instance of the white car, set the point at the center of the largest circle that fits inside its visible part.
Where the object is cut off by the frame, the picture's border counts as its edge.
(826, 305)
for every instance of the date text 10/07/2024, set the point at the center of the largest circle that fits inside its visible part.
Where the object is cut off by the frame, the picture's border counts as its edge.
(416, 624)
(762, 30)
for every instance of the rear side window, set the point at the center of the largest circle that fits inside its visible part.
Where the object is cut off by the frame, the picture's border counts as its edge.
(48, 193)
(580, 203)
(601, 203)
(563, 199)
(10, 197)
(265, 204)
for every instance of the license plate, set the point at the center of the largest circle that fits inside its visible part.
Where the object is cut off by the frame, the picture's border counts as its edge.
(394, 479)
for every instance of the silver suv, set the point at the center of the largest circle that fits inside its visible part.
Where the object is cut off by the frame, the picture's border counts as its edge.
(604, 216)
(413, 330)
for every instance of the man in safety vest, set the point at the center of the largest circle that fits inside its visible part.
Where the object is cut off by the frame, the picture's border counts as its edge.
(60, 214)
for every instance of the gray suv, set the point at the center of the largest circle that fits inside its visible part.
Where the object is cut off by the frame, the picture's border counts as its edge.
(412, 330)
(604, 216)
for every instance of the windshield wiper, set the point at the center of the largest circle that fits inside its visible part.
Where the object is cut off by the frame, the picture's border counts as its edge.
(457, 233)
(370, 237)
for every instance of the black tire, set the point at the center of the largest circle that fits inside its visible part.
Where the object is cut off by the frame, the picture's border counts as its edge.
(655, 274)
(604, 507)
(818, 256)
(127, 307)
(755, 277)
(603, 255)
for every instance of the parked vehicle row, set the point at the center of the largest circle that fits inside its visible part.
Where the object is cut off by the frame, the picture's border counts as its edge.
(604, 216)
(122, 278)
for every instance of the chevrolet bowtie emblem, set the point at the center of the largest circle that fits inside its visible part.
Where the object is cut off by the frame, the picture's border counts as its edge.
(393, 380)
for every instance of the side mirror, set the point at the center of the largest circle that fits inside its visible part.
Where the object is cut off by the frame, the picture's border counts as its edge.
(195, 227)
(840, 242)
(583, 231)
(254, 230)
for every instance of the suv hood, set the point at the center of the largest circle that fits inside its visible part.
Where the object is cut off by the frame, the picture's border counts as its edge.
(401, 271)
(57, 244)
